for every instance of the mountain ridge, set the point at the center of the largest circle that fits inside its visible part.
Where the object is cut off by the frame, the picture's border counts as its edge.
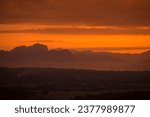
(38, 55)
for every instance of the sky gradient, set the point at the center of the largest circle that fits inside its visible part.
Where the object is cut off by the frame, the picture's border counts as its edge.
(87, 24)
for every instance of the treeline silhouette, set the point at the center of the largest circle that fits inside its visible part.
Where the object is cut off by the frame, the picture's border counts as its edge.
(55, 83)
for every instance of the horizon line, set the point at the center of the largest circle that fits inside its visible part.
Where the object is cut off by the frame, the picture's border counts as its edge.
(94, 49)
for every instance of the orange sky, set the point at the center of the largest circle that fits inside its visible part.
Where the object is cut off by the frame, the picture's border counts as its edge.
(11, 40)
(107, 25)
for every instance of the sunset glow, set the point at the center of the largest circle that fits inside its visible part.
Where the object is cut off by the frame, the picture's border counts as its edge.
(99, 25)
(75, 50)
(10, 40)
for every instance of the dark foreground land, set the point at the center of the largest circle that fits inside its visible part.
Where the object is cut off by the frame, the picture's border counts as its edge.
(50, 83)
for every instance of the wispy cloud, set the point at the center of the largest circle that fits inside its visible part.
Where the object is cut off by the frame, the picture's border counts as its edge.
(76, 29)
(118, 48)
(43, 41)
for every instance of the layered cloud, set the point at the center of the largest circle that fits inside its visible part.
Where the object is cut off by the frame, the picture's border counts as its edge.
(84, 12)
(76, 29)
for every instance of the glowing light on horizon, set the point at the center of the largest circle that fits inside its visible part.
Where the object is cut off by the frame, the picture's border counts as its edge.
(11, 40)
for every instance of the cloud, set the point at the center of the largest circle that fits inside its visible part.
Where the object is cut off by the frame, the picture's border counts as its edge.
(99, 30)
(47, 41)
(118, 48)
(87, 12)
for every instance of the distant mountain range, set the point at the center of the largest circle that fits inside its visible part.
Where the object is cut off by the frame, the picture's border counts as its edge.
(38, 55)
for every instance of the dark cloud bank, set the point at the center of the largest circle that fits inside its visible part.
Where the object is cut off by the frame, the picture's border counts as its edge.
(74, 30)
(88, 12)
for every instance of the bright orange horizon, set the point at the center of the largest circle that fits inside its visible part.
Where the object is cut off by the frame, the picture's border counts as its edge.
(10, 40)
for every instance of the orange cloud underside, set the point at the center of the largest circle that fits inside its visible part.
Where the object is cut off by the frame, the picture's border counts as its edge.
(11, 40)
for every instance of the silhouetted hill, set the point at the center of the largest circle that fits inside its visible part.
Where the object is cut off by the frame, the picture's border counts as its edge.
(61, 55)
(38, 55)
(34, 49)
